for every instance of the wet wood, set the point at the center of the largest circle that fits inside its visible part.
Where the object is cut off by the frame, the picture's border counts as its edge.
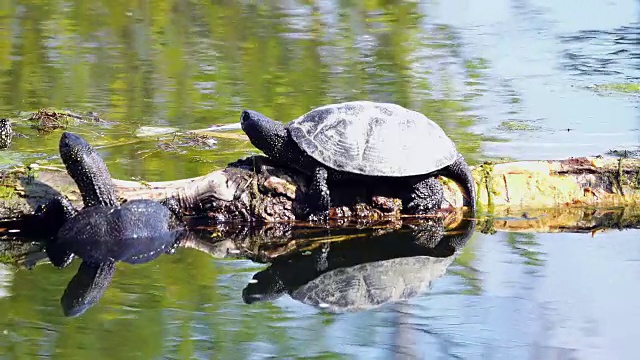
(256, 190)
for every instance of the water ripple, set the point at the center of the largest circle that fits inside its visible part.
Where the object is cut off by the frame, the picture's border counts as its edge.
(602, 52)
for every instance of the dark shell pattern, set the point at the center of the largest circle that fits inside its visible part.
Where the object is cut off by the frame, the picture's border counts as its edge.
(136, 230)
(377, 139)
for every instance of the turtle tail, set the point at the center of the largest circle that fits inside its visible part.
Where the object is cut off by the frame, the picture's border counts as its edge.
(460, 172)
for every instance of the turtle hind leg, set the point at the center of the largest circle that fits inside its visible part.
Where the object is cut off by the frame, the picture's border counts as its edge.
(426, 196)
(51, 217)
(317, 198)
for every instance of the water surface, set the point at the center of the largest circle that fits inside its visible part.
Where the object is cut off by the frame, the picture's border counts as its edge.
(471, 66)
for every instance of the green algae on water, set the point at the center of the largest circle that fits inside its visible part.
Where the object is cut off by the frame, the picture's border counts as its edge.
(517, 125)
(618, 87)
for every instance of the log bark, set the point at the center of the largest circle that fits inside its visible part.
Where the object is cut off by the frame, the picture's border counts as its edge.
(575, 182)
(254, 189)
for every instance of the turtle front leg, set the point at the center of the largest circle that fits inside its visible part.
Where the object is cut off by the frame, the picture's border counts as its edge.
(52, 216)
(426, 196)
(317, 198)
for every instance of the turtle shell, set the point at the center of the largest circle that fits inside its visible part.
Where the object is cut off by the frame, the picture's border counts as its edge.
(378, 139)
(135, 232)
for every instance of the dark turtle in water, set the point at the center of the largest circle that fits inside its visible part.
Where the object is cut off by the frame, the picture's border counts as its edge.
(104, 231)
(371, 142)
(134, 232)
(148, 241)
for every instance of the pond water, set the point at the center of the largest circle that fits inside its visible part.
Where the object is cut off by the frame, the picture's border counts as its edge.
(513, 79)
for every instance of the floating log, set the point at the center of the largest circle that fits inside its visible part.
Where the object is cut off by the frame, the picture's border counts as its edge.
(254, 189)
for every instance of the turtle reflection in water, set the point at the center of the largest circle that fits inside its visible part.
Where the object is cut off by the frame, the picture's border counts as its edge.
(92, 280)
(363, 274)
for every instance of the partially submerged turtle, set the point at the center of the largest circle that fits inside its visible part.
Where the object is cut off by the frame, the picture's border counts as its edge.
(135, 232)
(377, 143)
(104, 231)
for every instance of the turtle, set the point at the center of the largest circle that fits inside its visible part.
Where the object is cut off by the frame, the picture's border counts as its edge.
(104, 230)
(99, 257)
(377, 143)
(6, 133)
(135, 232)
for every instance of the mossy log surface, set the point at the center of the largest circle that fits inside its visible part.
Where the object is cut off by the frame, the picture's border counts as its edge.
(254, 189)
(591, 182)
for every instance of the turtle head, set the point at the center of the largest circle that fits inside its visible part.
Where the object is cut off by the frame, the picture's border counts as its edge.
(265, 134)
(71, 147)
